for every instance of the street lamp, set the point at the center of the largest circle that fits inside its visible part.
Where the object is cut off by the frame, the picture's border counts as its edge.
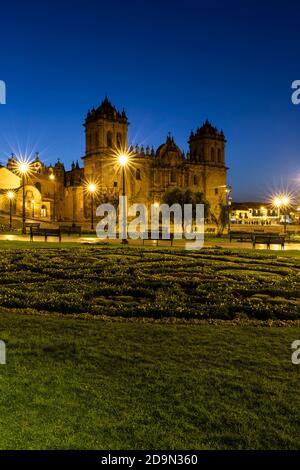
(283, 201)
(92, 188)
(23, 168)
(123, 162)
(52, 178)
(10, 196)
(228, 191)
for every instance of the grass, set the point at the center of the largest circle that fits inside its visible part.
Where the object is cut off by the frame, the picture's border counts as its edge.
(78, 384)
(150, 282)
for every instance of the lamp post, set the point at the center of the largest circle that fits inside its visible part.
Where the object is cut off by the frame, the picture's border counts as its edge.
(282, 201)
(23, 168)
(285, 204)
(228, 204)
(10, 196)
(52, 178)
(92, 189)
(123, 161)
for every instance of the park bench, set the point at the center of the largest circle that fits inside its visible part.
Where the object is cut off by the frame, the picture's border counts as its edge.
(269, 239)
(159, 238)
(71, 229)
(30, 225)
(45, 232)
(241, 236)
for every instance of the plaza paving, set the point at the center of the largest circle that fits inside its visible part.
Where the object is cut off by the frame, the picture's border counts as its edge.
(224, 243)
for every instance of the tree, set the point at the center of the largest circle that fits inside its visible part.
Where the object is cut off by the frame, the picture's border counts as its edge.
(221, 219)
(109, 197)
(176, 196)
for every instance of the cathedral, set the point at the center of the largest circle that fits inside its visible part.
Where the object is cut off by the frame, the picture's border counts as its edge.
(56, 194)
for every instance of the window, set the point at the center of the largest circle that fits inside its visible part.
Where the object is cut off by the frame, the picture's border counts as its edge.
(212, 154)
(195, 179)
(138, 174)
(109, 139)
(216, 191)
(119, 140)
(115, 184)
(43, 211)
(173, 176)
(219, 155)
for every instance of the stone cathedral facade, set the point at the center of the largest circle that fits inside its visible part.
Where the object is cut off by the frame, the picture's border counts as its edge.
(60, 195)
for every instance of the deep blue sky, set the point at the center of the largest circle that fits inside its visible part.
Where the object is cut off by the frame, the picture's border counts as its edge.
(171, 64)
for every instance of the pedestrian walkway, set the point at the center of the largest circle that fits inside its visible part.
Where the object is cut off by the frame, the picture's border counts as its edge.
(222, 243)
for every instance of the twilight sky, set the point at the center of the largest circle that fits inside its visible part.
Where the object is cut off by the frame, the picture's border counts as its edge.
(171, 64)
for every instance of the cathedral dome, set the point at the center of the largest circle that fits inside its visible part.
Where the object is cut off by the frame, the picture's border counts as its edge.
(169, 153)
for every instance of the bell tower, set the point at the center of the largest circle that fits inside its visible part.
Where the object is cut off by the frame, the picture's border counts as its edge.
(105, 132)
(105, 129)
(207, 145)
(207, 162)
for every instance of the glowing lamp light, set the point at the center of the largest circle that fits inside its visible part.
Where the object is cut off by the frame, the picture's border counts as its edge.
(23, 167)
(282, 200)
(52, 177)
(123, 159)
(10, 195)
(92, 187)
(277, 202)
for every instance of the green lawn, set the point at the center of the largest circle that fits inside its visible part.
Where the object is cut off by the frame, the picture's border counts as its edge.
(92, 384)
(105, 349)
(151, 282)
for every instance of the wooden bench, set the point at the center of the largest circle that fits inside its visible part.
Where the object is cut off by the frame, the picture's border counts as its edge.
(241, 236)
(45, 232)
(71, 229)
(269, 239)
(30, 225)
(159, 238)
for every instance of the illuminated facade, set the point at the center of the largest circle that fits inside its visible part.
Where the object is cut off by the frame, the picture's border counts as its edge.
(56, 194)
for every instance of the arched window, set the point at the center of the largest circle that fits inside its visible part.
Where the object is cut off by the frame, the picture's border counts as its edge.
(119, 140)
(43, 211)
(219, 155)
(38, 186)
(109, 139)
(212, 154)
(138, 174)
